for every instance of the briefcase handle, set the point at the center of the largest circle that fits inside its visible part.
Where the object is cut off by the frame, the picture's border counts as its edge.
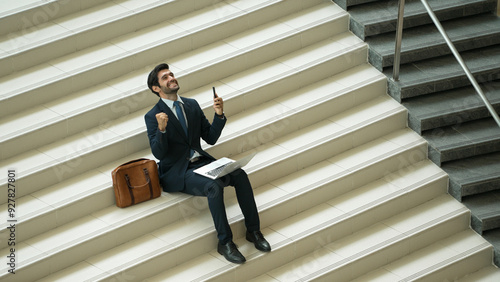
(148, 183)
(148, 180)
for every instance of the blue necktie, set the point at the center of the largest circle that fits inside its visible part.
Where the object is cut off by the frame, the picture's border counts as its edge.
(182, 120)
(180, 116)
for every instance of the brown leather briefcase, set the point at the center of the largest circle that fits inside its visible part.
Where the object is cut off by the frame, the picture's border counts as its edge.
(135, 182)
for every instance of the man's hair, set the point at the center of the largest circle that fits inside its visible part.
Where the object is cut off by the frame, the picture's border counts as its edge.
(153, 77)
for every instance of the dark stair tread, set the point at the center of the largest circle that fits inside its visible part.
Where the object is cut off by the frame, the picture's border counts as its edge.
(473, 175)
(451, 107)
(444, 73)
(381, 16)
(426, 42)
(485, 210)
(463, 140)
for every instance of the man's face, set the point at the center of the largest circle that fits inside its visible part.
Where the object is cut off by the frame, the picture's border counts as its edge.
(167, 81)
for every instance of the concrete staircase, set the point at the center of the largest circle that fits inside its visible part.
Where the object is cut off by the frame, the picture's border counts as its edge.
(345, 189)
(442, 105)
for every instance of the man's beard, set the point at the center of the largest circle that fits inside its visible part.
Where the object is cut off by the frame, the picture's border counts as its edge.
(168, 90)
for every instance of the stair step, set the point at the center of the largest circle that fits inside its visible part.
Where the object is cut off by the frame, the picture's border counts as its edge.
(444, 73)
(20, 16)
(465, 140)
(424, 42)
(103, 62)
(333, 259)
(485, 209)
(192, 217)
(381, 16)
(465, 251)
(65, 35)
(486, 274)
(451, 107)
(474, 175)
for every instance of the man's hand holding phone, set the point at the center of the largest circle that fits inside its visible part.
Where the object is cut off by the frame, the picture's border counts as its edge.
(218, 104)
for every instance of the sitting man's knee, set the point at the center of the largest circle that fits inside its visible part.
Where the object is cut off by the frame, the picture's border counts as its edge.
(214, 189)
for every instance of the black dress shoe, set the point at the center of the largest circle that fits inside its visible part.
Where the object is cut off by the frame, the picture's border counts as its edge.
(230, 252)
(258, 240)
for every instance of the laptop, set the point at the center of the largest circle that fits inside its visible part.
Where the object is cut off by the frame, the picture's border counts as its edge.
(223, 166)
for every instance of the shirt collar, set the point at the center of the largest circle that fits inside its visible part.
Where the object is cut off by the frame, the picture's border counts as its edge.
(170, 103)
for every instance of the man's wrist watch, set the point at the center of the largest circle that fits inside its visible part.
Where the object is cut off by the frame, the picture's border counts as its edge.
(220, 116)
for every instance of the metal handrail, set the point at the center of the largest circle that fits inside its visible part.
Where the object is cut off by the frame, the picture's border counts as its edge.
(397, 54)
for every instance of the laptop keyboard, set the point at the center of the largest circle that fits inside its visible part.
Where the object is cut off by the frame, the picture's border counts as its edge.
(217, 170)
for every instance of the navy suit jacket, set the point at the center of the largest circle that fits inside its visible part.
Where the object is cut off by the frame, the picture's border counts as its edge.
(172, 148)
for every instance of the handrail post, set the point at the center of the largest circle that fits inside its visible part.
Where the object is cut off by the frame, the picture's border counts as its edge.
(461, 61)
(399, 37)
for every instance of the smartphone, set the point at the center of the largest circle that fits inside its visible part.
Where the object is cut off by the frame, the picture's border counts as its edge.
(213, 89)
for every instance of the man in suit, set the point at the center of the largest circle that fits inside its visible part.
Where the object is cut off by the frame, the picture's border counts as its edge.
(174, 126)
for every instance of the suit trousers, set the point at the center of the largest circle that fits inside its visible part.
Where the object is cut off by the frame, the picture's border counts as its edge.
(198, 185)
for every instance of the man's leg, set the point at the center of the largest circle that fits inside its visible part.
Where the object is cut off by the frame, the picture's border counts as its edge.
(244, 194)
(214, 191)
(198, 185)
